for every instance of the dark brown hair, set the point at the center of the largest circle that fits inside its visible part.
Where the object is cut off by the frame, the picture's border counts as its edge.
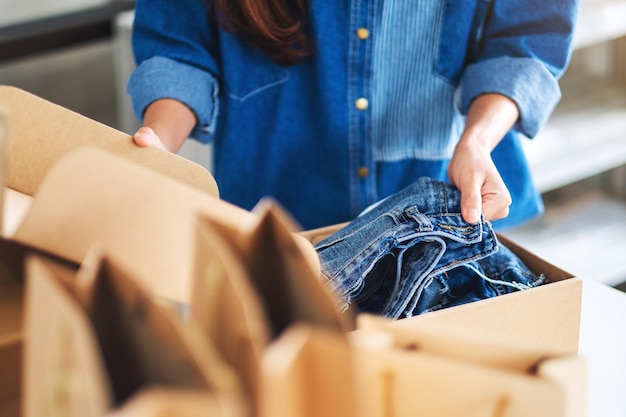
(277, 27)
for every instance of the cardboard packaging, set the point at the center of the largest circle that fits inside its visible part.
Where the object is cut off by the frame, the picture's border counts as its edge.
(136, 203)
(258, 299)
(511, 355)
(293, 355)
(12, 279)
(97, 343)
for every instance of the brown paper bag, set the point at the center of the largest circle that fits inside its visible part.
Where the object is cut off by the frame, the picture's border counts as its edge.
(95, 341)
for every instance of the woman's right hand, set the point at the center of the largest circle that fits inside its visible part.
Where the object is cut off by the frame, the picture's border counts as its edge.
(166, 125)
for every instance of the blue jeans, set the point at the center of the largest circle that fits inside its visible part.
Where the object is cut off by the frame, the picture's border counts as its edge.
(413, 253)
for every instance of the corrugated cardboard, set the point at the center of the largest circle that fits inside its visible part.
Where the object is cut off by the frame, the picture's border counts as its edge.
(252, 287)
(547, 316)
(399, 382)
(143, 218)
(95, 340)
(147, 221)
(12, 255)
(41, 132)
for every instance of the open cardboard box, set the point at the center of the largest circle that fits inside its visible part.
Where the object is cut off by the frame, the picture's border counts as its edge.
(58, 200)
(531, 335)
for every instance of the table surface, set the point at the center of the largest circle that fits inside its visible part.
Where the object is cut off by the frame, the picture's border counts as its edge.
(603, 344)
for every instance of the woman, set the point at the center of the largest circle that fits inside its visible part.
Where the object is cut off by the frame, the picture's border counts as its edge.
(330, 106)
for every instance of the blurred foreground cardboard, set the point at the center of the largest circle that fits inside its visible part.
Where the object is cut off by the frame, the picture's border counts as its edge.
(145, 218)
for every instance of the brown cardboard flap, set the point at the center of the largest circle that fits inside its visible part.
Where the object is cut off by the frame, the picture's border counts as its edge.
(290, 290)
(11, 366)
(145, 220)
(225, 304)
(106, 341)
(41, 132)
(491, 350)
(398, 382)
(159, 402)
(16, 206)
(308, 372)
(62, 358)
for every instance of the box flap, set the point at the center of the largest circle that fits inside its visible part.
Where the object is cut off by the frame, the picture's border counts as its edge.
(16, 205)
(145, 220)
(308, 372)
(546, 316)
(41, 132)
(493, 350)
(400, 382)
(61, 358)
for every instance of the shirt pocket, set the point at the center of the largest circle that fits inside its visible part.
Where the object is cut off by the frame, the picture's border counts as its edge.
(248, 72)
(460, 30)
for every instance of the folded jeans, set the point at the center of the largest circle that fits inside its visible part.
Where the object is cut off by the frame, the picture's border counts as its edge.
(413, 253)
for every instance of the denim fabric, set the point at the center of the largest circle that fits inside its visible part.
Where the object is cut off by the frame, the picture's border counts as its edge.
(414, 253)
(274, 128)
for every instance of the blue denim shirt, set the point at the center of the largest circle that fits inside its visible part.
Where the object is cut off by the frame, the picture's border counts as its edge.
(296, 133)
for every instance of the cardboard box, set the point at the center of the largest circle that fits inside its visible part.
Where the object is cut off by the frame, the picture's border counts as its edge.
(523, 343)
(547, 316)
(132, 209)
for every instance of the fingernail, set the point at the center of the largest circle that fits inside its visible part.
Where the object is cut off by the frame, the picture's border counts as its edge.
(473, 216)
(147, 139)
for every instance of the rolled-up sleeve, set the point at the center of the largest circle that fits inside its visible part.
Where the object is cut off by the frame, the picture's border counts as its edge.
(524, 49)
(175, 47)
(160, 77)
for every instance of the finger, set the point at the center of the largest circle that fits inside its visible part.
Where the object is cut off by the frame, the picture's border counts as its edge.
(471, 203)
(496, 204)
(146, 138)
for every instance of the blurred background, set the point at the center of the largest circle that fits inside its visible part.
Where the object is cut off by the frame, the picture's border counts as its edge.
(76, 53)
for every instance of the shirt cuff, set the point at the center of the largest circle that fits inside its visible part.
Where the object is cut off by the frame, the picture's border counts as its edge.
(160, 77)
(524, 80)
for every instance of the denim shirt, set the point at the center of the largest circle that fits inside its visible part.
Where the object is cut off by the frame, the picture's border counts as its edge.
(336, 132)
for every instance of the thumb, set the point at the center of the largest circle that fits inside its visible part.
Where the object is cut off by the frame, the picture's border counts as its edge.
(146, 138)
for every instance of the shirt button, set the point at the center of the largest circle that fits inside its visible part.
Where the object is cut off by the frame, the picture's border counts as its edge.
(363, 172)
(361, 103)
(362, 33)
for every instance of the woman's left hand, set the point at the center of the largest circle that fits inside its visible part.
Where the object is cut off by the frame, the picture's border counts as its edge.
(471, 168)
(482, 189)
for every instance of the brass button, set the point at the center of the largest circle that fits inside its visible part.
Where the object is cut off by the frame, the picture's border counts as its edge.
(363, 172)
(362, 33)
(361, 103)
